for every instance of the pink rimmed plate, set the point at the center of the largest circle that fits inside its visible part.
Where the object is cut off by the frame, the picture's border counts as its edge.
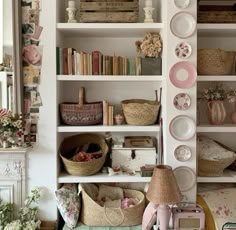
(185, 177)
(183, 25)
(182, 128)
(183, 74)
(182, 4)
(182, 101)
(183, 50)
(182, 153)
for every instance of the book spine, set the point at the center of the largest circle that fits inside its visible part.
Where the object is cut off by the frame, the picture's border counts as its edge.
(65, 61)
(105, 112)
(95, 56)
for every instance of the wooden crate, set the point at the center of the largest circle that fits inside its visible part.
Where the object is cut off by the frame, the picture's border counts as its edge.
(216, 16)
(109, 11)
(48, 225)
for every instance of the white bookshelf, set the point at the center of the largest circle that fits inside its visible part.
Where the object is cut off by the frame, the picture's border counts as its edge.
(226, 128)
(227, 177)
(207, 78)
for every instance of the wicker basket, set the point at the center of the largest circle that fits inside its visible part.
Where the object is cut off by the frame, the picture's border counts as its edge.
(95, 215)
(210, 168)
(140, 112)
(215, 62)
(82, 168)
(81, 113)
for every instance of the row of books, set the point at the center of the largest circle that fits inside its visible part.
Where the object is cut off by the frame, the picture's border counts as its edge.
(72, 62)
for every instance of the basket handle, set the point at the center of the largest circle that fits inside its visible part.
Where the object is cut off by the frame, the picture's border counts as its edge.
(107, 218)
(81, 95)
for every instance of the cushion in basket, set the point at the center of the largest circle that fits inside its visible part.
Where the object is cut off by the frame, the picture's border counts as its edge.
(68, 203)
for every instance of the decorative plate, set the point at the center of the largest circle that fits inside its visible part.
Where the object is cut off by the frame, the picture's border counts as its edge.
(182, 4)
(183, 25)
(182, 128)
(186, 178)
(182, 101)
(183, 50)
(183, 74)
(183, 153)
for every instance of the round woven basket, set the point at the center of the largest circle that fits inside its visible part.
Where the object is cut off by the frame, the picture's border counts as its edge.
(213, 167)
(101, 216)
(215, 62)
(140, 112)
(82, 168)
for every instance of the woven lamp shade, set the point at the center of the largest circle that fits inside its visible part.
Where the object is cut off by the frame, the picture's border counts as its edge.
(163, 188)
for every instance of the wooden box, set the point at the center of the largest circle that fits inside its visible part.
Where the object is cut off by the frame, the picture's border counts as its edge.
(109, 11)
(133, 158)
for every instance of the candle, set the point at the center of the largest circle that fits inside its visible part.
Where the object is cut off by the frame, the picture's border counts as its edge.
(71, 4)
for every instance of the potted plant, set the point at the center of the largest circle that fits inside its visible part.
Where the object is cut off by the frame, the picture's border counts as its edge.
(150, 47)
(215, 102)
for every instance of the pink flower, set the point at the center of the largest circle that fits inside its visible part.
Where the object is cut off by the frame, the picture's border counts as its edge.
(31, 54)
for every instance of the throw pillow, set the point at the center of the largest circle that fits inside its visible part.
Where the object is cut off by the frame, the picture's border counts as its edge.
(114, 193)
(68, 203)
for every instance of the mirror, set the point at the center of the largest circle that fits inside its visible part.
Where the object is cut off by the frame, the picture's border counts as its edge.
(11, 87)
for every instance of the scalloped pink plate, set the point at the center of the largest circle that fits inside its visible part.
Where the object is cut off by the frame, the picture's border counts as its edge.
(183, 74)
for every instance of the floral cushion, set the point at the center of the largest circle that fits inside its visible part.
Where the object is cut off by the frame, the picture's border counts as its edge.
(68, 203)
(222, 203)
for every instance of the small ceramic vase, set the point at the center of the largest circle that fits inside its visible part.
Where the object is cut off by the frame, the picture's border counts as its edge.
(216, 112)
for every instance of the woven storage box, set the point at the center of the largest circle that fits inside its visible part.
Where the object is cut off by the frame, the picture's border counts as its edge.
(140, 112)
(81, 113)
(216, 16)
(95, 215)
(109, 11)
(215, 62)
(82, 168)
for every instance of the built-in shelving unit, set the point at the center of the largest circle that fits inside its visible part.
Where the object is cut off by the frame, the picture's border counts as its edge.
(102, 178)
(228, 177)
(216, 78)
(229, 128)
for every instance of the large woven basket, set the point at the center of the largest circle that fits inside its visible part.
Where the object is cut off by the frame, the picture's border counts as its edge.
(82, 168)
(95, 215)
(140, 112)
(81, 113)
(215, 62)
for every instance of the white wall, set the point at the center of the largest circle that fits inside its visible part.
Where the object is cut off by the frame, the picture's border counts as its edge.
(42, 169)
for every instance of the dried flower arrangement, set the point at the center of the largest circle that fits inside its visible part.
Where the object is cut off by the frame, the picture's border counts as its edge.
(218, 93)
(150, 46)
(9, 127)
(27, 215)
(231, 95)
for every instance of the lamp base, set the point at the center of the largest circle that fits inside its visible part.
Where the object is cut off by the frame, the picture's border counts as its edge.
(163, 215)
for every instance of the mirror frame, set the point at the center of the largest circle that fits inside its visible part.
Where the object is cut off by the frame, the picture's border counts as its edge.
(17, 55)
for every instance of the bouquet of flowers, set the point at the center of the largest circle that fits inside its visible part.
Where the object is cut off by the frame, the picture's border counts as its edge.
(9, 126)
(150, 46)
(27, 216)
(231, 95)
(217, 93)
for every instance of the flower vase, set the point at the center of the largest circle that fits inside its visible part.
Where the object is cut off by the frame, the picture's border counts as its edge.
(216, 112)
(233, 114)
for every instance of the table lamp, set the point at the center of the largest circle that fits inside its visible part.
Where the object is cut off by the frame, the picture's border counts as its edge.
(163, 190)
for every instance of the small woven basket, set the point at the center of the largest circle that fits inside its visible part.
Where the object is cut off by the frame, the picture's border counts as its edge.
(215, 62)
(82, 168)
(140, 112)
(81, 113)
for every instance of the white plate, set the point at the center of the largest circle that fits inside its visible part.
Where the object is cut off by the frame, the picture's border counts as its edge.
(182, 128)
(186, 178)
(183, 50)
(183, 25)
(182, 101)
(183, 153)
(182, 4)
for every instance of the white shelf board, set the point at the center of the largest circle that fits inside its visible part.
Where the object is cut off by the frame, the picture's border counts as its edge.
(228, 177)
(101, 178)
(216, 29)
(108, 29)
(106, 128)
(16, 150)
(216, 78)
(227, 128)
(108, 78)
